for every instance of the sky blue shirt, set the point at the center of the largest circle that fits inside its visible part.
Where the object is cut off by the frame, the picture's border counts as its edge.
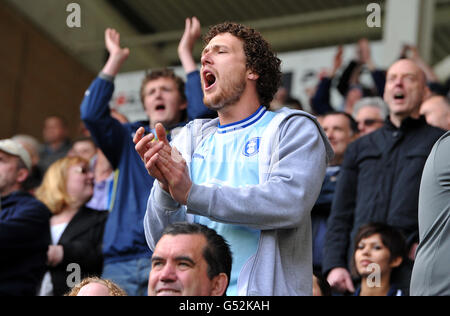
(229, 157)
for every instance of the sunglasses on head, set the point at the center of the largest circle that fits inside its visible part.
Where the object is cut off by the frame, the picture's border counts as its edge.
(370, 122)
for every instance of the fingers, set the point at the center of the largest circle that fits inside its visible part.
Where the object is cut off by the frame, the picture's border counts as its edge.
(195, 21)
(161, 133)
(177, 175)
(143, 144)
(153, 170)
(170, 162)
(349, 285)
(168, 170)
(187, 25)
(192, 29)
(172, 154)
(195, 28)
(112, 35)
(152, 150)
(160, 159)
(340, 279)
(138, 135)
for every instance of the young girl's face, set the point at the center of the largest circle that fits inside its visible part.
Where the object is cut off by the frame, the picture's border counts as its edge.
(372, 255)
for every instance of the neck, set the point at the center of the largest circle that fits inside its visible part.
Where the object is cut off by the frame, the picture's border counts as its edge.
(397, 119)
(337, 160)
(72, 208)
(64, 216)
(8, 191)
(368, 289)
(246, 106)
(55, 145)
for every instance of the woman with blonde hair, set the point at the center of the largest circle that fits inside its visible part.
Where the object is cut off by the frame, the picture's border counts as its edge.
(77, 231)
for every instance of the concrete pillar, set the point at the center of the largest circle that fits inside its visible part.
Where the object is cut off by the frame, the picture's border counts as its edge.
(407, 22)
(426, 29)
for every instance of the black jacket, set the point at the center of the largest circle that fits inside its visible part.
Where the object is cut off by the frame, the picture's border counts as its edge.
(378, 182)
(24, 240)
(82, 243)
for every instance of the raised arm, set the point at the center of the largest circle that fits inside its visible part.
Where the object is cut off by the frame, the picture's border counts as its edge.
(117, 55)
(192, 32)
(107, 132)
(320, 101)
(194, 94)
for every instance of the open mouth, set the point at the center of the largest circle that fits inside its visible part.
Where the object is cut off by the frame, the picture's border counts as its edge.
(399, 96)
(209, 79)
(160, 107)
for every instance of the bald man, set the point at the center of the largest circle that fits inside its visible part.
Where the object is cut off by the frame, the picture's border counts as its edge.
(437, 111)
(380, 175)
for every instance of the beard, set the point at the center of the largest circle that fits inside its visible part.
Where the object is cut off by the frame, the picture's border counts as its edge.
(230, 93)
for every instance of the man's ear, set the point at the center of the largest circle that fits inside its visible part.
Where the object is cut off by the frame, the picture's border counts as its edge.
(22, 175)
(251, 75)
(426, 93)
(183, 106)
(219, 284)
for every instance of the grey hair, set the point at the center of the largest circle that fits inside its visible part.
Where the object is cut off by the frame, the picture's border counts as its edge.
(375, 102)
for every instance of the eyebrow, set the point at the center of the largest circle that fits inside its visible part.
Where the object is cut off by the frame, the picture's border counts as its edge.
(213, 47)
(179, 258)
(156, 258)
(185, 258)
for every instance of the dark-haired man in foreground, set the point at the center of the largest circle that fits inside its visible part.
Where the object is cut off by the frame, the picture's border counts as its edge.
(190, 260)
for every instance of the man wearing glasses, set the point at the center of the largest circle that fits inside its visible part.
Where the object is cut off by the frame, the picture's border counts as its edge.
(370, 114)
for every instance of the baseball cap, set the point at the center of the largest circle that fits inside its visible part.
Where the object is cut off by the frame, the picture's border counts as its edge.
(14, 148)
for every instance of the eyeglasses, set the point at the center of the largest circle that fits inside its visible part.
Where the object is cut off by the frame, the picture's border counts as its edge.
(369, 122)
(82, 170)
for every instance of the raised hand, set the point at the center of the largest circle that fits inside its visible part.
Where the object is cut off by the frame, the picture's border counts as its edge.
(117, 54)
(365, 56)
(192, 32)
(337, 61)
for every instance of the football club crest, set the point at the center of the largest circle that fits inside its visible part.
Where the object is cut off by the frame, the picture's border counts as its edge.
(251, 147)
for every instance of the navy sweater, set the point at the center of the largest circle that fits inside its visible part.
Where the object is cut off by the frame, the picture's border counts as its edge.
(24, 240)
(124, 237)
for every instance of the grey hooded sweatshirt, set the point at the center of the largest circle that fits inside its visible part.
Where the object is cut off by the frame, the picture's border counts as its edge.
(294, 153)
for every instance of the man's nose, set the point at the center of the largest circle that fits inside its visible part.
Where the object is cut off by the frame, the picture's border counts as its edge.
(361, 127)
(206, 59)
(398, 81)
(329, 134)
(158, 93)
(168, 273)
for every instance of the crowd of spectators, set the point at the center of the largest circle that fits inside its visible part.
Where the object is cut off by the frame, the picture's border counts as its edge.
(85, 201)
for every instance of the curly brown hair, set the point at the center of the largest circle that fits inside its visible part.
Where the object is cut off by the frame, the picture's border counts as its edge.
(260, 57)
